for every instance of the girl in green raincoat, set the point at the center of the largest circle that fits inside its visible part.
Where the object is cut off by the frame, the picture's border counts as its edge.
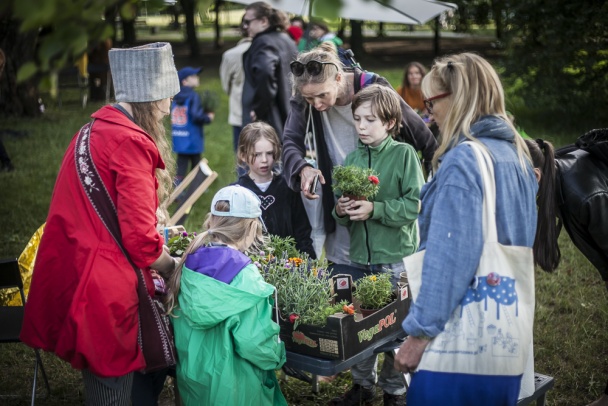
(227, 344)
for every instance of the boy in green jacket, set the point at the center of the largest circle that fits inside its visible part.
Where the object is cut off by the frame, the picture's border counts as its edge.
(383, 229)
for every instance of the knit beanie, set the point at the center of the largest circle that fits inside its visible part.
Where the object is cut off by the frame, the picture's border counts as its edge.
(144, 73)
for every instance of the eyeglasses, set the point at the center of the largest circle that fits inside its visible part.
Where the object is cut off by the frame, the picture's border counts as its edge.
(428, 103)
(313, 68)
(245, 22)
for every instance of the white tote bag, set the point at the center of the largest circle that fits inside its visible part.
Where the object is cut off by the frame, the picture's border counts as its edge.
(490, 332)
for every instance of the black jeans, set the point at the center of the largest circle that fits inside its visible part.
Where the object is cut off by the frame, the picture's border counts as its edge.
(184, 161)
(147, 387)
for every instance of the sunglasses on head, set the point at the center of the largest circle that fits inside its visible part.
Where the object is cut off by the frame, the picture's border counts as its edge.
(313, 68)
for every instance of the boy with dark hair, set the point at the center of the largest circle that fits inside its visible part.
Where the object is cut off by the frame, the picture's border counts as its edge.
(383, 228)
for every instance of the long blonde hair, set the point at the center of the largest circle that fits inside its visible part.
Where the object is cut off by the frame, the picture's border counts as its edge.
(144, 116)
(242, 233)
(476, 91)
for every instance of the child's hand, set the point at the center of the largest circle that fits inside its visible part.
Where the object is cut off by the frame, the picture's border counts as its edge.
(344, 203)
(360, 210)
(211, 115)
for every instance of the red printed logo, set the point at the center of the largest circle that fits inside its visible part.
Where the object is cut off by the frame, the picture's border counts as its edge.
(179, 115)
(343, 283)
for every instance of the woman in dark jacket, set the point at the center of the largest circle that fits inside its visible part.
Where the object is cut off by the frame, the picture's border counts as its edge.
(266, 90)
(322, 106)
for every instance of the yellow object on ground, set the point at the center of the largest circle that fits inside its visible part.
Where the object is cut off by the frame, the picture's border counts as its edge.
(26, 267)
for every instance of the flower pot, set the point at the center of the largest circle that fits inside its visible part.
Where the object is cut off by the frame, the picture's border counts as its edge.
(353, 197)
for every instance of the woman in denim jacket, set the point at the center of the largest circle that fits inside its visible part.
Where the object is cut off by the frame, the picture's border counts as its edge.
(465, 98)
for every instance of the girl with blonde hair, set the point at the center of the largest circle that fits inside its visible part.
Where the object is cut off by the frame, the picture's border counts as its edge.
(227, 344)
(259, 151)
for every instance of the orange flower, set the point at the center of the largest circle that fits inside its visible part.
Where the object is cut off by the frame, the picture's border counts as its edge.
(348, 309)
(296, 261)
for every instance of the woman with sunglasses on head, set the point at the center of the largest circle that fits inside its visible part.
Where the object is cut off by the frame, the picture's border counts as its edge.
(267, 90)
(322, 106)
(465, 97)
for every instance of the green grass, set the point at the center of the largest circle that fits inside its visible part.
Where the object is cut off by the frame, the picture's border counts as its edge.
(572, 305)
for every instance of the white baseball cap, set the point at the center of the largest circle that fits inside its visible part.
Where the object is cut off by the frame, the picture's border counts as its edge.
(243, 203)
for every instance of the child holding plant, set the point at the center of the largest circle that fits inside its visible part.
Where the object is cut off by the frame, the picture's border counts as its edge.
(383, 227)
(283, 212)
(227, 344)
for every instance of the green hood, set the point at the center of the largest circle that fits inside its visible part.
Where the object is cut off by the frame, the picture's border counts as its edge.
(206, 302)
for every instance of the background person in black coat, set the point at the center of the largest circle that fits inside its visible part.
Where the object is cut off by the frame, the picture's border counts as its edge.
(573, 184)
(267, 88)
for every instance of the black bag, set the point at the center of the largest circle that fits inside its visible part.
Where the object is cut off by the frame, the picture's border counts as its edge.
(155, 331)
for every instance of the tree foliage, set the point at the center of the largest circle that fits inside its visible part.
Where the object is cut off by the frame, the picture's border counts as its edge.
(66, 29)
(558, 50)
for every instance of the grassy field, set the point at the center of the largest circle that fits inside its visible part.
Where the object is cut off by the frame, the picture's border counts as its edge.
(571, 312)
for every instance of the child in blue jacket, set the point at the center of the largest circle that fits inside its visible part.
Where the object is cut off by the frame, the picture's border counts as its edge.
(187, 120)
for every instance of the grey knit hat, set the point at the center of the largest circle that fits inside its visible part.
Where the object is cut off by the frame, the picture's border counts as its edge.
(145, 73)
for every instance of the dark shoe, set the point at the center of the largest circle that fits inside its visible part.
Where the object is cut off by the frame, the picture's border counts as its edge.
(394, 400)
(357, 395)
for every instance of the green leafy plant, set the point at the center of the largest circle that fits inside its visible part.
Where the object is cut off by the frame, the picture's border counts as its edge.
(279, 245)
(355, 181)
(304, 287)
(374, 291)
(178, 244)
(210, 101)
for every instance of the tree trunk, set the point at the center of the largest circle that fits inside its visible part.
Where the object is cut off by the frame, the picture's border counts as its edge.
(21, 99)
(436, 47)
(128, 33)
(497, 8)
(356, 37)
(99, 68)
(219, 42)
(189, 7)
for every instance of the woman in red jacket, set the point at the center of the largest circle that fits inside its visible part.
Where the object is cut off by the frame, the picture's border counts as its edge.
(83, 303)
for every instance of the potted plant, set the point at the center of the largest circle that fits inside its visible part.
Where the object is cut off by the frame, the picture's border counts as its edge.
(209, 101)
(304, 288)
(374, 292)
(178, 244)
(355, 182)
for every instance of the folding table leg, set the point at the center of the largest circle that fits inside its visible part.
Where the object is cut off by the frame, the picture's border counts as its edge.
(315, 384)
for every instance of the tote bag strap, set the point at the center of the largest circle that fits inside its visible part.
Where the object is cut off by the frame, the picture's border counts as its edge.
(310, 140)
(486, 168)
